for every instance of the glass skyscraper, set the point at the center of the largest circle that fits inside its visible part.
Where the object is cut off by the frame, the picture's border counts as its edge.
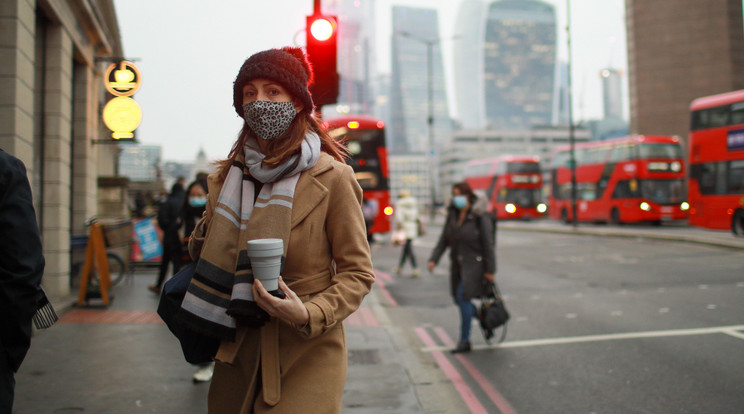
(356, 57)
(505, 70)
(415, 30)
(612, 96)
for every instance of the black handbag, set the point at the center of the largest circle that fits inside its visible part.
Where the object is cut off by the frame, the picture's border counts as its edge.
(197, 348)
(492, 314)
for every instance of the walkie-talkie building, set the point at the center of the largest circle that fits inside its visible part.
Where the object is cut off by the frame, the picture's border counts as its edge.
(505, 65)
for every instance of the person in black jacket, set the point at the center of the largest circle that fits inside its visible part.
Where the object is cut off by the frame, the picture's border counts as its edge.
(168, 220)
(193, 208)
(21, 270)
(469, 234)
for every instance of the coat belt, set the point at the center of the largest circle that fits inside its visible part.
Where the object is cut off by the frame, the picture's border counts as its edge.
(270, 367)
(269, 347)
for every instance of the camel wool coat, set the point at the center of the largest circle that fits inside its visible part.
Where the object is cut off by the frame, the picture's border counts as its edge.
(281, 368)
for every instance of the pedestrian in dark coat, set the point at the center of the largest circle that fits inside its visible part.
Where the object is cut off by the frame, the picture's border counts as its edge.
(169, 214)
(21, 269)
(469, 234)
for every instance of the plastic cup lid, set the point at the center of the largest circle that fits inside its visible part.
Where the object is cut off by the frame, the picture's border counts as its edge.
(266, 244)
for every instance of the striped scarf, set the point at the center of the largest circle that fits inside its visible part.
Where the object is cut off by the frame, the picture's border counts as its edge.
(221, 292)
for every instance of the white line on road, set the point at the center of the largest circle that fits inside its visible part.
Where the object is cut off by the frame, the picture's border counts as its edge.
(729, 330)
(735, 334)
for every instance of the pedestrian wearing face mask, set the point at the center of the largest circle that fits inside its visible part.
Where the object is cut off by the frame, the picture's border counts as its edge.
(284, 178)
(468, 232)
(192, 211)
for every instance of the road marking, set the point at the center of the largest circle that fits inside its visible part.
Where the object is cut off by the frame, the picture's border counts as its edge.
(452, 374)
(735, 334)
(384, 275)
(104, 316)
(493, 394)
(609, 337)
(362, 317)
(380, 283)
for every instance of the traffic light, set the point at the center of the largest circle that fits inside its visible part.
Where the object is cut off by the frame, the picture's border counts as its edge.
(321, 34)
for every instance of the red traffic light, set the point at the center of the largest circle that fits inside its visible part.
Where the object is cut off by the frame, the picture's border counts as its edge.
(323, 28)
(321, 33)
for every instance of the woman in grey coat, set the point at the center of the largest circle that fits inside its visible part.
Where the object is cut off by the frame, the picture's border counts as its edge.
(469, 234)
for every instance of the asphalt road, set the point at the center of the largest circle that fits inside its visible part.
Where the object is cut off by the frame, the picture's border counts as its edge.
(599, 325)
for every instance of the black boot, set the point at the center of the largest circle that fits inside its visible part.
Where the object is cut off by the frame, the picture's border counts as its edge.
(462, 346)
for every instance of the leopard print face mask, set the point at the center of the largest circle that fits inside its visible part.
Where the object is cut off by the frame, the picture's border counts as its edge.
(269, 119)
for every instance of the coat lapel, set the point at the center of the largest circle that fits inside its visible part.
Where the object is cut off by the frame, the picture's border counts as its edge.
(309, 191)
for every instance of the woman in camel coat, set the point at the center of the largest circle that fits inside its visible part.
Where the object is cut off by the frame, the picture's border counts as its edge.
(290, 356)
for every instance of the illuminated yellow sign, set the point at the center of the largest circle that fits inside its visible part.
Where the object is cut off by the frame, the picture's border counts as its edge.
(122, 115)
(122, 78)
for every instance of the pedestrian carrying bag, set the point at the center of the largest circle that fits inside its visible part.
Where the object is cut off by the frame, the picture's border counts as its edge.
(492, 314)
(197, 348)
(420, 226)
(398, 237)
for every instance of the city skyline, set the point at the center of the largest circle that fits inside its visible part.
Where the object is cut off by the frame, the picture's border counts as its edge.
(195, 72)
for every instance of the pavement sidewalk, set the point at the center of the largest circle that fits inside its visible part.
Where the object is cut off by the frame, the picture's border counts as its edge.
(122, 359)
(667, 231)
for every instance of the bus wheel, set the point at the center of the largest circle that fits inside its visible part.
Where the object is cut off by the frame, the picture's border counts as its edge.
(737, 223)
(564, 216)
(615, 217)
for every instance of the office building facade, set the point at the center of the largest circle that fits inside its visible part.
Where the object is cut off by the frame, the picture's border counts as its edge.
(417, 71)
(53, 54)
(678, 51)
(467, 145)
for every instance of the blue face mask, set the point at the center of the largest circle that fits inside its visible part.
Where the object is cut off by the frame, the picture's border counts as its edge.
(197, 201)
(460, 201)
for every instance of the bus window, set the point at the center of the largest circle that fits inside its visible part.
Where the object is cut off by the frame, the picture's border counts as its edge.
(706, 176)
(586, 191)
(647, 150)
(367, 180)
(560, 160)
(622, 152)
(737, 113)
(736, 177)
(626, 189)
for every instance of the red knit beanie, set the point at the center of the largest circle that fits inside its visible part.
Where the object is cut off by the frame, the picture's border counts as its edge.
(288, 66)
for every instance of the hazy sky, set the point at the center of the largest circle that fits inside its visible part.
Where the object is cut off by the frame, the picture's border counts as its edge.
(189, 56)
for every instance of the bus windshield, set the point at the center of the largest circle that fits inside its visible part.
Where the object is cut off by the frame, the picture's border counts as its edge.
(525, 197)
(664, 191)
(364, 150)
(523, 167)
(650, 150)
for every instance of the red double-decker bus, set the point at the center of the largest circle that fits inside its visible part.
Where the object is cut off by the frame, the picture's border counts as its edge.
(622, 180)
(364, 136)
(512, 184)
(716, 184)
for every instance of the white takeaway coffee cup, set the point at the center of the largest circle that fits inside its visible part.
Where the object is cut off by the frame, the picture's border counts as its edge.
(266, 261)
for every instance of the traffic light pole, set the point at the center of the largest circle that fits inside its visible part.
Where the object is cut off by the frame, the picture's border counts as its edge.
(430, 121)
(430, 118)
(572, 159)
